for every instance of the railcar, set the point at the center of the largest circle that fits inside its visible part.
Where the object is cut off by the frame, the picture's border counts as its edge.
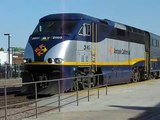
(70, 44)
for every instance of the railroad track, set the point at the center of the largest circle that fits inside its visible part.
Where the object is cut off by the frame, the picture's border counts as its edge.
(19, 107)
(13, 100)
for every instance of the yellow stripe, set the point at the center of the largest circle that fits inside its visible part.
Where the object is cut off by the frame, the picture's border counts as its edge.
(38, 63)
(130, 62)
(154, 60)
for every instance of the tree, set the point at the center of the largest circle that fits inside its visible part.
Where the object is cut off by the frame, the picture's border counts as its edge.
(1, 49)
(18, 49)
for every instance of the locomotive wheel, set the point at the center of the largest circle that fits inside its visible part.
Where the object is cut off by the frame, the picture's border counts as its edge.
(152, 76)
(43, 84)
(77, 85)
(146, 76)
(84, 82)
(136, 77)
(156, 75)
(88, 82)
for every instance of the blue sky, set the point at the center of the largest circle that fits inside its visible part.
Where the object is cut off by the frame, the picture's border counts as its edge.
(19, 17)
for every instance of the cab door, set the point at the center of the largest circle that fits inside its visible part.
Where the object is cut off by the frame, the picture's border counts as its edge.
(83, 53)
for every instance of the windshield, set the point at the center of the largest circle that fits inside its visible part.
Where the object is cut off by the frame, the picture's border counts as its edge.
(64, 27)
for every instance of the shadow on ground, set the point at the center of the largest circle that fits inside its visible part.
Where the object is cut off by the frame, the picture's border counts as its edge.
(151, 113)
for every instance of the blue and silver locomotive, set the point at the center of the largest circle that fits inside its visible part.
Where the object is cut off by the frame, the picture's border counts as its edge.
(63, 45)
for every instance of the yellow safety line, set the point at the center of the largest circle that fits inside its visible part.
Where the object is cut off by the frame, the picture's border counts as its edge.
(130, 62)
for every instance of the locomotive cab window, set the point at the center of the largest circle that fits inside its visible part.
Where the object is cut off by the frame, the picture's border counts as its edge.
(56, 27)
(85, 30)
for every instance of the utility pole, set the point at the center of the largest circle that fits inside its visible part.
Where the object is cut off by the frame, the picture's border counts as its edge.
(9, 69)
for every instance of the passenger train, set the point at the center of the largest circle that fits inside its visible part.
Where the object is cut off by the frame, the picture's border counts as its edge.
(69, 44)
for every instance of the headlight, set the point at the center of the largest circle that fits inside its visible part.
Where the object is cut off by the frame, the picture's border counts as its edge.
(50, 60)
(58, 60)
(27, 60)
(55, 60)
(24, 60)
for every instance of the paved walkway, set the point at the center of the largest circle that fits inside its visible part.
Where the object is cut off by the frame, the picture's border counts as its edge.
(136, 101)
(13, 85)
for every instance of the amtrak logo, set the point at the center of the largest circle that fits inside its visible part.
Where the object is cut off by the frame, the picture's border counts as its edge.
(121, 51)
(41, 49)
(111, 51)
(118, 51)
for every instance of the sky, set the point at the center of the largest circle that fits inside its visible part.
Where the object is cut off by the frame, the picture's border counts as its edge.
(20, 17)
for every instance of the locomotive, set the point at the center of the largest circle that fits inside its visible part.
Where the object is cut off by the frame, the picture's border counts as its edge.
(72, 44)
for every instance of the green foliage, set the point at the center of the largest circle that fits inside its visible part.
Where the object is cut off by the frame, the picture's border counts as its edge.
(1, 49)
(15, 49)
(18, 49)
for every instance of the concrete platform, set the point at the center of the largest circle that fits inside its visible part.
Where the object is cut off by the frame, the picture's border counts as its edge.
(136, 101)
(11, 82)
(13, 85)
